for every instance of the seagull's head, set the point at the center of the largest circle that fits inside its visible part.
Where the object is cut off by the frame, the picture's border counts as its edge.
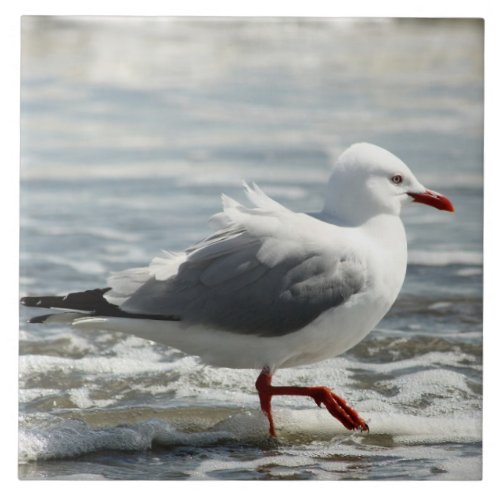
(368, 180)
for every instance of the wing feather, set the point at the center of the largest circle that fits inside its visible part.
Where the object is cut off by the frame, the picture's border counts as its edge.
(267, 271)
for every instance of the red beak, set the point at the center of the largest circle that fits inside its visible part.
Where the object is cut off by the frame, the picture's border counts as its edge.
(433, 199)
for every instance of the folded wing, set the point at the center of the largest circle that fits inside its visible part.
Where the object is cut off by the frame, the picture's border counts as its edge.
(260, 260)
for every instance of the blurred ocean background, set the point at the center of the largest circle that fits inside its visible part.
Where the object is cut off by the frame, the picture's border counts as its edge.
(131, 130)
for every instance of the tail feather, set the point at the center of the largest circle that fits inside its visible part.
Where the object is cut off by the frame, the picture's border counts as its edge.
(91, 302)
(58, 317)
(88, 301)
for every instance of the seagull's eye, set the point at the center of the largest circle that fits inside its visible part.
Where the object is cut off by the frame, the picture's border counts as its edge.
(397, 179)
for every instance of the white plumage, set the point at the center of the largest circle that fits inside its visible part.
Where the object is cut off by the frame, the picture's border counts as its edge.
(276, 288)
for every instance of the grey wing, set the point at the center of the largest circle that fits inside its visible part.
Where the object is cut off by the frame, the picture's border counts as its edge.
(227, 287)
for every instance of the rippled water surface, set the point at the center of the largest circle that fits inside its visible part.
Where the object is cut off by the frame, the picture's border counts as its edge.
(131, 130)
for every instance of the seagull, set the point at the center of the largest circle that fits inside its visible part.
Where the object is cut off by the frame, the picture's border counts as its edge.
(271, 288)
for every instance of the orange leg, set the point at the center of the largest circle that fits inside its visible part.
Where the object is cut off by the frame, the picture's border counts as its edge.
(337, 406)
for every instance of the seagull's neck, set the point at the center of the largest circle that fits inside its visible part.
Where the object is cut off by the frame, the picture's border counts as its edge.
(382, 219)
(386, 229)
(387, 234)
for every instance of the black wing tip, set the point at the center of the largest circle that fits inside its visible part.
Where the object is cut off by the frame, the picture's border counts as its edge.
(40, 319)
(91, 302)
(71, 301)
(30, 301)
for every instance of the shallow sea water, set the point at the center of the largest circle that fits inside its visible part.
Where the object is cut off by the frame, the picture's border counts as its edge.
(131, 130)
